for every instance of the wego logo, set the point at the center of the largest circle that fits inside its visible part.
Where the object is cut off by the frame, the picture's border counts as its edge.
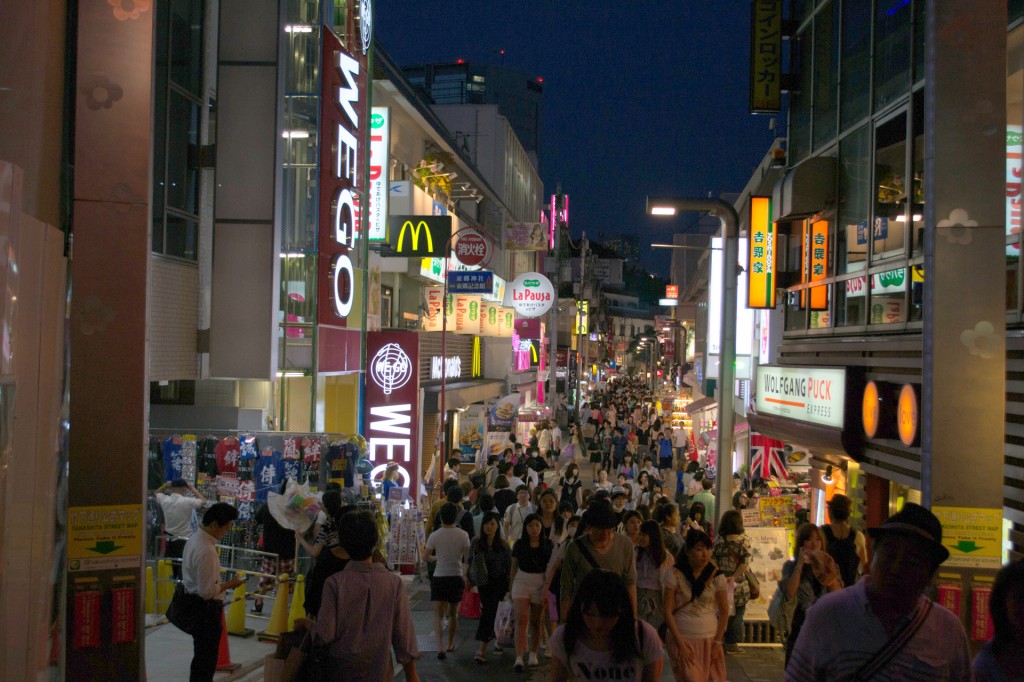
(391, 368)
(415, 231)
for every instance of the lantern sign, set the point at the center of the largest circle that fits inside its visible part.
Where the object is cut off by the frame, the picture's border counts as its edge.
(472, 249)
(531, 294)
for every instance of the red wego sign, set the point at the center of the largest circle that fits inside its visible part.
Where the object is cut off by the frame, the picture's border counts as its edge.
(342, 158)
(392, 405)
(471, 248)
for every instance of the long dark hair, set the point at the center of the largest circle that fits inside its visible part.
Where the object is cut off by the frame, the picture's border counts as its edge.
(481, 538)
(1009, 585)
(656, 548)
(695, 537)
(607, 592)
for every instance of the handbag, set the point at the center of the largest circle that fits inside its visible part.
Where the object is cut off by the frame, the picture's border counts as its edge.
(478, 574)
(755, 585)
(308, 662)
(469, 607)
(780, 612)
(505, 625)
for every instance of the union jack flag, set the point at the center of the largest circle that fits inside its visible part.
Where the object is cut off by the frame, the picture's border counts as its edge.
(766, 457)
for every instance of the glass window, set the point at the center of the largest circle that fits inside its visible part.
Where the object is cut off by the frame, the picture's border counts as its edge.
(298, 289)
(183, 154)
(855, 82)
(800, 102)
(851, 302)
(854, 201)
(919, 26)
(1014, 150)
(892, 50)
(187, 44)
(791, 269)
(826, 74)
(181, 237)
(889, 227)
(889, 296)
(916, 193)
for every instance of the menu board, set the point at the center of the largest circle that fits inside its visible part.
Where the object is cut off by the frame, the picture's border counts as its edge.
(770, 550)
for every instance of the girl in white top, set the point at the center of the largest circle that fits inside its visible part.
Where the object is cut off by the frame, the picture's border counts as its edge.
(602, 482)
(696, 612)
(601, 639)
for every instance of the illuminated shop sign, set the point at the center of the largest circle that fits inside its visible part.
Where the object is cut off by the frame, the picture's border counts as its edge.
(448, 368)
(766, 57)
(419, 235)
(379, 146)
(343, 111)
(761, 281)
(392, 401)
(532, 294)
(816, 260)
(558, 215)
(810, 394)
(744, 315)
(671, 291)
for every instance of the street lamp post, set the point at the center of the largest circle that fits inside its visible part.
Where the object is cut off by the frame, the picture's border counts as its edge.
(726, 214)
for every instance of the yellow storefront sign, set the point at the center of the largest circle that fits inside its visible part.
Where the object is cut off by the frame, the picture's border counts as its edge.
(105, 537)
(973, 536)
(778, 511)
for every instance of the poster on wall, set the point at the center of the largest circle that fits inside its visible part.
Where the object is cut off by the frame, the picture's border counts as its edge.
(778, 511)
(769, 549)
(497, 442)
(472, 427)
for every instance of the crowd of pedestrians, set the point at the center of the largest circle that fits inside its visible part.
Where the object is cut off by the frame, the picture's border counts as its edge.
(606, 580)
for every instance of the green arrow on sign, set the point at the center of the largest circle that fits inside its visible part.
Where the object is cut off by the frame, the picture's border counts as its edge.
(966, 546)
(105, 547)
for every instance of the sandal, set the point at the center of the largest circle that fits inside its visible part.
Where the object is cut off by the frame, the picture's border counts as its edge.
(451, 648)
(479, 658)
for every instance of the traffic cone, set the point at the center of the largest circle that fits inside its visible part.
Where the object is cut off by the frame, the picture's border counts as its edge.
(279, 614)
(150, 591)
(236, 613)
(297, 609)
(223, 652)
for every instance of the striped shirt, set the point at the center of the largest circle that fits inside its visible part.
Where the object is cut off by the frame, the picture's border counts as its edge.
(842, 633)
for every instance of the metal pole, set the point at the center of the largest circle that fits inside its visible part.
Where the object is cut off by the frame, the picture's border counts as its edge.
(726, 214)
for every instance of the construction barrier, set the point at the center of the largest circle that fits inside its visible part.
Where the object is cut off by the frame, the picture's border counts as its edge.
(224, 663)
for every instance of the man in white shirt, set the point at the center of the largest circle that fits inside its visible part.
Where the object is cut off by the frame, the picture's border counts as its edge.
(516, 514)
(178, 518)
(556, 444)
(201, 579)
(679, 441)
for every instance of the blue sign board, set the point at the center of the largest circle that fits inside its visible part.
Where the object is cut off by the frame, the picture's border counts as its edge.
(470, 282)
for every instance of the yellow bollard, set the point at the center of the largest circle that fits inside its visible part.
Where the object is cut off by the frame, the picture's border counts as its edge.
(150, 591)
(279, 614)
(164, 585)
(297, 609)
(236, 613)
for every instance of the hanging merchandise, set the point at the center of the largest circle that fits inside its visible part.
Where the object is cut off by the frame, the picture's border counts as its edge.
(227, 454)
(268, 473)
(291, 448)
(173, 462)
(766, 458)
(245, 500)
(188, 458)
(206, 456)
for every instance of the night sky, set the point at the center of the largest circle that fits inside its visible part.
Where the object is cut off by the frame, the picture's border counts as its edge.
(640, 97)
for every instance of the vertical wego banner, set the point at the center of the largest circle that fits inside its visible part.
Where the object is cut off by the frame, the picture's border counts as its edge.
(342, 158)
(392, 405)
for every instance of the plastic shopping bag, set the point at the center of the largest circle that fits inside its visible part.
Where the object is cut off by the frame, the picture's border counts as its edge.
(470, 606)
(505, 625)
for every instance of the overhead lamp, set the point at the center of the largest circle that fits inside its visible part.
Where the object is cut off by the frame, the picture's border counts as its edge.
(295, 134)
(828, 479)
(298, 28)
(663, 210)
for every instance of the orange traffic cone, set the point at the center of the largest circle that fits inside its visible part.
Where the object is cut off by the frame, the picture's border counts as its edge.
(223, 652)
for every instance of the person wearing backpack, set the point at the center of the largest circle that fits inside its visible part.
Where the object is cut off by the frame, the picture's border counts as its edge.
(602, 639)
(843, 543)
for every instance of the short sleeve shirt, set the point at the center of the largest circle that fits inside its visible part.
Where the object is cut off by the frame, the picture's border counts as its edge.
(450, 545)
(587, 664)
(533, 559)
(697, 617)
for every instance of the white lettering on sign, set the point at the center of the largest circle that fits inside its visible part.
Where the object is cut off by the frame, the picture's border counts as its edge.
(391, 368)
(346, 164)
(810, 394)
(390, 419)
(449, 368)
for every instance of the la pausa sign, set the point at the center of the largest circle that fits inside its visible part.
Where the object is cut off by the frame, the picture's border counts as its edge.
(810, 394)
(531, 294)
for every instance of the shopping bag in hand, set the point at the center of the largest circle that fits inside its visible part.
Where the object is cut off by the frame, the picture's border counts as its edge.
(470, 605)
(505, 625)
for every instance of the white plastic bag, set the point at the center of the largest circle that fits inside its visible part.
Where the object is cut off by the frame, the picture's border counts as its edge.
(505, 625)
(297, 509)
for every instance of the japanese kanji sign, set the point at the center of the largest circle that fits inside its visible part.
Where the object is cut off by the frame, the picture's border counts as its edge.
(761, 280)
(816, 261)
(470, 282)
(766, 57)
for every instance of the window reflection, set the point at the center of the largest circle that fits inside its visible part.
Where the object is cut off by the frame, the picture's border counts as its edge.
(854, 201)
(889, 225)
(1014, 149)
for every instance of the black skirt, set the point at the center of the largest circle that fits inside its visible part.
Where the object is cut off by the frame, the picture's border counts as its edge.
(447, 589)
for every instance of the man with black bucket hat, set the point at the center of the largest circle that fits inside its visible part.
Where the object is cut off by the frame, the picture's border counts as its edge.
(883, 628)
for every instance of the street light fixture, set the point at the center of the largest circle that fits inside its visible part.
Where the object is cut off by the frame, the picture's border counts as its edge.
(726, 214)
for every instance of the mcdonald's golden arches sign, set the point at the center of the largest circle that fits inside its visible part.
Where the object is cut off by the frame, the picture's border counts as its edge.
(419, 235)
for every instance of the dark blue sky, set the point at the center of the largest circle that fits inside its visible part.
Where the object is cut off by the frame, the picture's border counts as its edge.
(640, 97)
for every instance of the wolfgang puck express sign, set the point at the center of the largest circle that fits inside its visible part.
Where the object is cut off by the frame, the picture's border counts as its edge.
(810, 394)
(531, 294)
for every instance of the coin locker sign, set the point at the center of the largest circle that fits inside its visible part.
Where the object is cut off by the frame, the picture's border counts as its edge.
(106, 537)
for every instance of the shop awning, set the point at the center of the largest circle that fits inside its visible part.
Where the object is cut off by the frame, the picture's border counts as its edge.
(698, 405)
(809, 435)
(461, 393)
